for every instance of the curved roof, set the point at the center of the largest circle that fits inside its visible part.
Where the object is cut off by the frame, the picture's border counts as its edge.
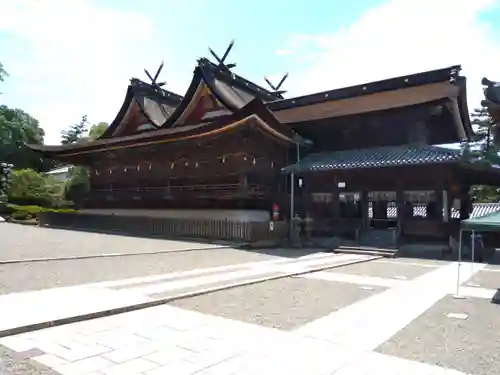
(155, 103)
(234, 92)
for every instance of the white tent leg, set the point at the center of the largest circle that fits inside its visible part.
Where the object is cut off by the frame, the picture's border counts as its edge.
(457, 294)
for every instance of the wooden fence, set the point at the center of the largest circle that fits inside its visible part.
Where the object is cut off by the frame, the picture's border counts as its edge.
(229, 230)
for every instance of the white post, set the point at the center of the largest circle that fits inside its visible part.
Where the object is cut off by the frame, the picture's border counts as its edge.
(457, 294)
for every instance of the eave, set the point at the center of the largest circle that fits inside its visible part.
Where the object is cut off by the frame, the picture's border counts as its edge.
(391, 84)
(255, 114)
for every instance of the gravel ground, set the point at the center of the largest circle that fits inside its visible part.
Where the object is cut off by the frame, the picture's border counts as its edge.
(486, 279)
(18, 242)
(13, 363)
(424, 261)
(49, 274)
(385, 270)
(471, 345)
(285, 303)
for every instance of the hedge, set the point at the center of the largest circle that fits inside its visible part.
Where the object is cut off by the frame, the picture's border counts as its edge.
(31, 212)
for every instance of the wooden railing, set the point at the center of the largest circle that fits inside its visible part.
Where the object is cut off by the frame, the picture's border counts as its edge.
(163, 192)
(230, 230)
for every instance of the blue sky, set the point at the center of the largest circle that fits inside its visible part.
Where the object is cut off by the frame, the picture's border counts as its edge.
(69, 58)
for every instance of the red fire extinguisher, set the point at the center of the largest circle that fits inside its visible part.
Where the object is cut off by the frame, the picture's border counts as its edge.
(276, 212)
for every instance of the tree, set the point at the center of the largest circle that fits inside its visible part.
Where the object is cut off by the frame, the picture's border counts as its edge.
(487, 139)
(29, 187)
(78, 184)
(18, 128)
(3, 73)
(484, 148)
(97, 130)
(75, 132)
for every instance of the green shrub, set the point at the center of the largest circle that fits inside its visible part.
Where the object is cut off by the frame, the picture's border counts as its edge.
(19, 212)
(20, 215)
(30, 201)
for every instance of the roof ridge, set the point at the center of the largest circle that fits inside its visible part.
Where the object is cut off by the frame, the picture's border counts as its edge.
(239, 80)
(372, 87)
(136, 82)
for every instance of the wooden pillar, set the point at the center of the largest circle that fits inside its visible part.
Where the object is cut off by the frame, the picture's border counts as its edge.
(335, 205)
(446, 206)
(365, 220)
(400, 201)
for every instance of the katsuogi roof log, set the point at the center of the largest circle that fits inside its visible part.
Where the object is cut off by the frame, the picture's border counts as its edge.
(254, 114)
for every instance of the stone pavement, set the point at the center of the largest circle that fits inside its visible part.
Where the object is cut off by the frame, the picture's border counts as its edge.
(166, 340)
(52, 304)
(169, 340)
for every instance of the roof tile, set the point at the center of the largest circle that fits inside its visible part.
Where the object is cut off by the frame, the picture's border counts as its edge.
(375, 158)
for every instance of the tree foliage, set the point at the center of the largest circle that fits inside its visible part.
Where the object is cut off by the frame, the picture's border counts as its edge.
(78, 184)
(484, 149)
(75, 132)
(97, 130)
(28, 187)
(487, 138)
(3, 73)
(18, 128)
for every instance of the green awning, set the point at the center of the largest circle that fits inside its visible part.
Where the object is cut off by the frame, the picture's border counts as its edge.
(488, 223)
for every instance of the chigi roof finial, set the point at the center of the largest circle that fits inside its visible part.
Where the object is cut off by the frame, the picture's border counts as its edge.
(221, 61)
(153, 79)
(276, 88)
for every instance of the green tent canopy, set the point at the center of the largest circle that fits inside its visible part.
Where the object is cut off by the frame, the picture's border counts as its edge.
(488, 223)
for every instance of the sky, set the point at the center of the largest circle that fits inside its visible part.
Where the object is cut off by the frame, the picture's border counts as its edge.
(66, 58)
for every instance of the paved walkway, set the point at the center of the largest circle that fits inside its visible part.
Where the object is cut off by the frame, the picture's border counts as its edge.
(52, 304)
(168, 340)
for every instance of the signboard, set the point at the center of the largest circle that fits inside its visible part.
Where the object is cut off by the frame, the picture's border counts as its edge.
(341, 185)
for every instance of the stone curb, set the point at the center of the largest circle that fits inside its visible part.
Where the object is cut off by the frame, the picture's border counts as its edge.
(109, 255)
(163, 301)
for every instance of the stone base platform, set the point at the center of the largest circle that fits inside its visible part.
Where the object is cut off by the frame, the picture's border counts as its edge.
(207, 214)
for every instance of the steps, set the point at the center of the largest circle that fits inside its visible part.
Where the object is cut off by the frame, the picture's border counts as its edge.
(383, 238)
(373, 242)
(366, 250)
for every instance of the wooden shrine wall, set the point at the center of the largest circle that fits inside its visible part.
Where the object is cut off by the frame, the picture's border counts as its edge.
(244, 165)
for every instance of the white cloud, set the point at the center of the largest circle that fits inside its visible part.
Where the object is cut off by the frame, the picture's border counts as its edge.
(76, 59)
(400, 37)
